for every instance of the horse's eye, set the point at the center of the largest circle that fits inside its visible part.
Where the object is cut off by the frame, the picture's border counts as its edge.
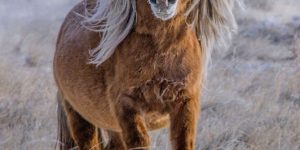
(153, 1)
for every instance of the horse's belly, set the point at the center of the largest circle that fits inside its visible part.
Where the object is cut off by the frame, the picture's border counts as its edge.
(97, 112)
(86, 92)
(103, 117)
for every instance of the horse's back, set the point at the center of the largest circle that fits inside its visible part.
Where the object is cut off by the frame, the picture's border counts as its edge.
(84, 86)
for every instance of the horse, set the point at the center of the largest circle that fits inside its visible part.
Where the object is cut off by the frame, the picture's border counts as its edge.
(126, 67)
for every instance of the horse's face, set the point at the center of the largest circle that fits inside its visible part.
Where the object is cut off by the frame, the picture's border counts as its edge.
(164, 9)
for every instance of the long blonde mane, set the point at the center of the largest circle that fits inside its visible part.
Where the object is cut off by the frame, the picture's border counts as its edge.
(213, 21)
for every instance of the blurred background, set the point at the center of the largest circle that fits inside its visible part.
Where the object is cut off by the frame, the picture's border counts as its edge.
(251, 99)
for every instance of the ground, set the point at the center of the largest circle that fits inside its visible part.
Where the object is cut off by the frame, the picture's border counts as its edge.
(251, 100)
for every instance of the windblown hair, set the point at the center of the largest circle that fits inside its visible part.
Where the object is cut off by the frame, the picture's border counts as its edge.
(212, 20)
(113, 19)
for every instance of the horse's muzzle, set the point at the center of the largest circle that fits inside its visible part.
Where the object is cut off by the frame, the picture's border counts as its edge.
(163, 3)
(163, 9)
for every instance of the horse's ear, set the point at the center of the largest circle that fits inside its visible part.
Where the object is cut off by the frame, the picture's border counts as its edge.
(213, 20)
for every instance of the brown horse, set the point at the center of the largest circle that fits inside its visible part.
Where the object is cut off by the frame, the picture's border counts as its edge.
(129, 66)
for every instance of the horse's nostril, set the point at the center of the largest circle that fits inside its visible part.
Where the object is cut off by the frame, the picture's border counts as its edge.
(172, 1)
(153, 1)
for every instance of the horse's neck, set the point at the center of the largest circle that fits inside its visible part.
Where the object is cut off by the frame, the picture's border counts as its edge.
(147, 23)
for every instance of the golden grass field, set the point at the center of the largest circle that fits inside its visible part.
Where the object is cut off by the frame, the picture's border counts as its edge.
(251, 99)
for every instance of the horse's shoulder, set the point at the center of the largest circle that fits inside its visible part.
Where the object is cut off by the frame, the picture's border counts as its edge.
(72, 21)
(73, 34)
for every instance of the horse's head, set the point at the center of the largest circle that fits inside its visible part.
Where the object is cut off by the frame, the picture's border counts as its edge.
(165, 9)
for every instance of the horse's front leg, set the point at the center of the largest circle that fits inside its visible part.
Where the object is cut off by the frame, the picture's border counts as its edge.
(83, 133)
(184, 124)
(132, 123)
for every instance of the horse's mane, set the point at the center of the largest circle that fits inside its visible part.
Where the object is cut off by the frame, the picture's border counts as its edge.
(113, 19)
(213, 21)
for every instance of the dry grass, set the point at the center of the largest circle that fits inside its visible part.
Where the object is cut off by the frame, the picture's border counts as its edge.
(251, 100)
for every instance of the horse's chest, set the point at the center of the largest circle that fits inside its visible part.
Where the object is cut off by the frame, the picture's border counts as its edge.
(169, 65)
(146, 57)
(156, 77)
(160, 79)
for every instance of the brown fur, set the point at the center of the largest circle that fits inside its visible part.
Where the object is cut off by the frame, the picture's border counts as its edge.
(153, 78)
